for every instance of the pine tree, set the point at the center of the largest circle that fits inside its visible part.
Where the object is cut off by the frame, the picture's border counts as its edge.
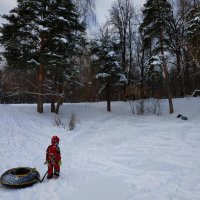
(154, 28)
(19, 42)
(156, 14)
(44, 36)
(21, 39)
(110, 73)
(65, 40)
(154, 73)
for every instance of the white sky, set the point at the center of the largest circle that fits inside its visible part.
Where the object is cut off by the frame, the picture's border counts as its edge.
(102, 7)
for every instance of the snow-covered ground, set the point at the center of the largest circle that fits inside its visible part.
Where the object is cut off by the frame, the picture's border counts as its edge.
(109, 156)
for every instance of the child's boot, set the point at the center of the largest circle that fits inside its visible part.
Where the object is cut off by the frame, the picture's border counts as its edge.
(56, 174)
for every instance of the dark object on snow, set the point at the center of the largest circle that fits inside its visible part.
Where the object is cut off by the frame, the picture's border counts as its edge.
(20, 177)
(184, 118)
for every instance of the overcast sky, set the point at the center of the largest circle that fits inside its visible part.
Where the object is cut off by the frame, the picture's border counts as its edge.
(102, 7)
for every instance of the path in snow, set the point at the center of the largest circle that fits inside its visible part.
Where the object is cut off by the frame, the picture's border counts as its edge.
(109, 155)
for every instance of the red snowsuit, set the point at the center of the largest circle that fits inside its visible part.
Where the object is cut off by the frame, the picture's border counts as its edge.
(53, 159)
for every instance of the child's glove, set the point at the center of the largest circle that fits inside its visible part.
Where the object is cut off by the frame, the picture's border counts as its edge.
(59, 163)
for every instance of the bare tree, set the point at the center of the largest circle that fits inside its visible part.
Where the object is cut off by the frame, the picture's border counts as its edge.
(121, 15)
(87, 10)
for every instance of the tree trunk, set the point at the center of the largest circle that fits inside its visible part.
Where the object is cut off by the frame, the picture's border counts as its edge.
(130, 54)
(53, 106)
(142, 76)
(54, 90)
(40, 89)
(108, 97)
(171, 109)
(169, 94)
(61, 89)
(41, 76)
(178, 77)
(59, 103)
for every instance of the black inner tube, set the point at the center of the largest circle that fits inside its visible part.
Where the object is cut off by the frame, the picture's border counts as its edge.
(20, 177)
(27, 177)
(20, 171)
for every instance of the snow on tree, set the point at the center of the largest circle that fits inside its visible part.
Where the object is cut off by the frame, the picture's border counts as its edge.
(86, 9)
(44, 36)
(105, 50)
(154, 27)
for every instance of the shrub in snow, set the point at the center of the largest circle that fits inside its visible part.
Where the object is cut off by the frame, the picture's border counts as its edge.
(72, 122)
(154, 106)
(148, 106)
(58, 121)
(140, 107)
(66, 124)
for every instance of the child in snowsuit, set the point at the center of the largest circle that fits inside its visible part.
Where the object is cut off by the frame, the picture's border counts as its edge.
(53, 158)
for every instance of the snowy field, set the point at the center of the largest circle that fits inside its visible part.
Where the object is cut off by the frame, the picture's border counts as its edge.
(109, 156)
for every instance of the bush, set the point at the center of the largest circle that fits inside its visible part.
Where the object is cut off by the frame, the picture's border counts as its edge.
(142, 106)
(72, 122)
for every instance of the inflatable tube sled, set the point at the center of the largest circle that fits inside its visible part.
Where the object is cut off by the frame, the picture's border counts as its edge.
(20, 177)
(182, 117)
(179, 116)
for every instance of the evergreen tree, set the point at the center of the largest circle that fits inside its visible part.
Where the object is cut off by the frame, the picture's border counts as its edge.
(43, 36)
(154, 74)
(154, 28)
(156, 14)
(19, 42)
(65, 42)
(110, 73)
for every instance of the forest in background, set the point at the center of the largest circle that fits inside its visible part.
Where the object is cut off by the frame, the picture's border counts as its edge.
(49, 54)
